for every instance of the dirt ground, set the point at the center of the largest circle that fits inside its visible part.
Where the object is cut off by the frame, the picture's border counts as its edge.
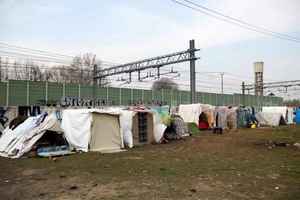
(243, 164)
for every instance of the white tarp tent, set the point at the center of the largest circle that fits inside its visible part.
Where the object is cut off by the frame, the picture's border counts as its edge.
(269, 119)
(93, 129)
(286, 112)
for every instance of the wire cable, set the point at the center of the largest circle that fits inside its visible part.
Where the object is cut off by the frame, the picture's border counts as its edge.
(234, 21)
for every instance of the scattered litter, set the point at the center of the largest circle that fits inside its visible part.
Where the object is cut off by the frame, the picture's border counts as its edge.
(73, 187)
(276, 188)
(297, 145)
(193, 190)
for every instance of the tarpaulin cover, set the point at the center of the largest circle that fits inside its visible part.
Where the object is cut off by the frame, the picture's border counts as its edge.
(268, 118)
(286, 112)
(290, 116)
(190, 113)
(297, 118)
(221, 116)
(16, 143)
(76, 125)
(232, 118)
(105, 133)
(209, 111)
(126, 126)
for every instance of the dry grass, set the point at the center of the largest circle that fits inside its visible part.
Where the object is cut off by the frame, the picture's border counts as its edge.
(235, 165)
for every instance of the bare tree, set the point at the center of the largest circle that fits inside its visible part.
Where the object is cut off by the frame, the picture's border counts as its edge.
(164, 83)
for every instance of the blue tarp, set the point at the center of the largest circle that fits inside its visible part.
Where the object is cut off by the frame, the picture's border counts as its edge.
(297, 118)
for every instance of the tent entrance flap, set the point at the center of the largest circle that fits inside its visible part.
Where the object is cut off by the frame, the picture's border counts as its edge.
(105, 132)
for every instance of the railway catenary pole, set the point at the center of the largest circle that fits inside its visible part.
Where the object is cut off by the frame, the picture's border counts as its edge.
(192, 71)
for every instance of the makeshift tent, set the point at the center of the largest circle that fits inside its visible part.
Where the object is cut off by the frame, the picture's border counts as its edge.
(221, 117)
(209, 111)
(270, 119)
(203, 122)
(17, 142)
(286, 112)
(130, 127)
(99, 129)
(290, 115)
(245, 117)
(190, 113)
(231, 118)
(297, 118)
(177, 129)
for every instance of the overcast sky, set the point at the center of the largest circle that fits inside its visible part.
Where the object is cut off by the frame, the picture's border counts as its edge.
(127, 30)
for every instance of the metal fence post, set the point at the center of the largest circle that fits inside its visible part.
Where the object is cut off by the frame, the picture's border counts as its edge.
(162, 95)
(152, 97)
(131, 96)
(106, 94)
(143, 93)
(79, 90)
(120, 96)
(180, 102)
(7, 93)
(27, 93)
(46, 92)
(64, 90)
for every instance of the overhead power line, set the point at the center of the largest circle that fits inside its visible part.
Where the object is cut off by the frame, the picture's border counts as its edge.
(218, 15)
(34, 50)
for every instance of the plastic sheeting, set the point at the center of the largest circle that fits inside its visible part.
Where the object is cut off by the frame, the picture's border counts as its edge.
(268, 118)
(16, 143)
(232, 118)
(159, 127)
(286, 112)
(209, 110)
(297, 118)
(126, 126)
(190, 113)
(221, 117)
(76, 125)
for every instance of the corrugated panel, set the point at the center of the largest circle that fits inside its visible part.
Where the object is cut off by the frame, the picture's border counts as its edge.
(157, 95)
(37, 92)
(101, 93)
(148, 96)
(126, 96)
(17, 92)
(55, 92)
(185, 97)
(167, 97)
(72, 90)
(2, 94)
(114, 96)
(137, 95)
(86, 91)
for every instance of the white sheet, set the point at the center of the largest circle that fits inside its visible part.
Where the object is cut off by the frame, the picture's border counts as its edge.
(190, 113)
(268, 118)
(158, 126)
(76, 125)
(126, 126)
